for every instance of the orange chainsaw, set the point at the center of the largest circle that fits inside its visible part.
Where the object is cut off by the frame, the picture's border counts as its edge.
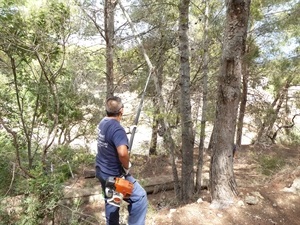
(117, 189)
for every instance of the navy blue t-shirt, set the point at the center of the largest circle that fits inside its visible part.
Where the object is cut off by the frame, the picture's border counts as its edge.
(110, 136)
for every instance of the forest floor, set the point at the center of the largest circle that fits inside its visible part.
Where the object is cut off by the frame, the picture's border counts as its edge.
(262, 174)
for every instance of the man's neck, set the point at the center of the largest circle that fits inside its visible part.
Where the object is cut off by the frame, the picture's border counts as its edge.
(118, 118)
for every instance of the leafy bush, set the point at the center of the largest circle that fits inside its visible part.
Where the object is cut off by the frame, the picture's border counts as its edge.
(68, 160)
(41, 194)
(270, 164)
(4, 217)
(7, 156)
(291, 138)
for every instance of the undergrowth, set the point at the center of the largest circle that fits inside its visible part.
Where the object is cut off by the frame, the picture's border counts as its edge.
(270, 164)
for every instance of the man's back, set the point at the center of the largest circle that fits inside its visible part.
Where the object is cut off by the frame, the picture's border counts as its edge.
(110, 135)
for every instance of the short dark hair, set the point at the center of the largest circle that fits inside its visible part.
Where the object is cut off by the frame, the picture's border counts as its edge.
(113, 106)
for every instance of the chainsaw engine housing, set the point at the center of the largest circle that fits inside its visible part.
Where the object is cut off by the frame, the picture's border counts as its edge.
(116, 189)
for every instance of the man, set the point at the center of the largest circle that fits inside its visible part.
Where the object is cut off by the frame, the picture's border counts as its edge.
(113, 160)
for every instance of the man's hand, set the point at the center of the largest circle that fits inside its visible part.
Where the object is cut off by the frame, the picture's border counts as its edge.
(131, 128)
(126, 171)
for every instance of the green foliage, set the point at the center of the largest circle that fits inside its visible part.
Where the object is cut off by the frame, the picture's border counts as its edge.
(66, 160)
(294, 138)
(4, 216)
(38, 95)
(6, 163)
(291, 137)
(270, 164)
(43, 194)
(45, 191)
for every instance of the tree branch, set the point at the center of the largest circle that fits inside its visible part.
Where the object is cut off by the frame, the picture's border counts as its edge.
(273, 137)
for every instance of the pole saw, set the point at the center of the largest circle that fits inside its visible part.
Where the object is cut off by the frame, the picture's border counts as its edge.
(136, 120)
(118, 188)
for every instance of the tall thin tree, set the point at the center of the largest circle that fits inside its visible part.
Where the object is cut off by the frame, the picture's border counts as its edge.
(109, 20)
(167, 136)
(185, 103)
(204, 97)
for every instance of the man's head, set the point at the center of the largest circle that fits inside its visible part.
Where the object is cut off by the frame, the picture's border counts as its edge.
(114, 106)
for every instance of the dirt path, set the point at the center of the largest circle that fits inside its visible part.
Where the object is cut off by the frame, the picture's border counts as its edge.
(267, 202)
(272, 206)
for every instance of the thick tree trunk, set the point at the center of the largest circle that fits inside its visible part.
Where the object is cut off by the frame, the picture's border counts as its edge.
(185, 104)
(109, 19)
(222, 181)
(204, 98)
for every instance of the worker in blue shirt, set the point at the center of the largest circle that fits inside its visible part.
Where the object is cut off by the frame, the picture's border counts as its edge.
(112, 160)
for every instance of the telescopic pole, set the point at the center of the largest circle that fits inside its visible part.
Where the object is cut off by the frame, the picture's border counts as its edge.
(136, 120)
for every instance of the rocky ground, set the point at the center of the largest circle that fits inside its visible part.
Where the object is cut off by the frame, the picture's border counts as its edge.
(267, 183)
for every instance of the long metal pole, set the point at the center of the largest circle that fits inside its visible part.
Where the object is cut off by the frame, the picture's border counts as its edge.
(151, 69)
(139, 112)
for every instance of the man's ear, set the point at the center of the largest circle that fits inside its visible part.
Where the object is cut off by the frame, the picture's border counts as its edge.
(121, 112)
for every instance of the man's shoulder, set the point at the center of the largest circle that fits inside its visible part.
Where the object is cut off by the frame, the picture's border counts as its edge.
(107, 120)
(110, 124)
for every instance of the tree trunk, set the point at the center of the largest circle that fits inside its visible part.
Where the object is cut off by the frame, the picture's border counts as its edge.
(283, 96)
(243, 103)
(222, 181)
(160, 69)
(167, 137)
(185, 104)
(204, 99)
(109, 19)
(153, 143)
(272, 114)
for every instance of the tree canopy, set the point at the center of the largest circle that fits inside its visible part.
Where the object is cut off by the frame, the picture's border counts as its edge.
(59, 60)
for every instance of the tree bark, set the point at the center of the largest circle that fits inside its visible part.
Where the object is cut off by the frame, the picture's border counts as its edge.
(185, 104)
(153, 142)
(167, 137)
(222, 181)
(243, 103)
(109, 20)
(155, 123)
(204, 98)
(272, 114)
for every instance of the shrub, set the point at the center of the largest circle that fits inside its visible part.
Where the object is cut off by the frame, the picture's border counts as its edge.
(7, 157)
(270, 164)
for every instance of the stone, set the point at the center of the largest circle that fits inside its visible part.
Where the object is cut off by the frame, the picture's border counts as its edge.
(295, 188)
(251, 200)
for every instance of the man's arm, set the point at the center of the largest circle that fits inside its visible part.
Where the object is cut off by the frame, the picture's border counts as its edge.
(123, 155)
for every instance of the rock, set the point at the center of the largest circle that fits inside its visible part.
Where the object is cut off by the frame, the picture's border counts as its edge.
(220, 204)
(241, 203)
(257, 194)
(172, 210)
(199, 200)
(251, 200)
(295, 188)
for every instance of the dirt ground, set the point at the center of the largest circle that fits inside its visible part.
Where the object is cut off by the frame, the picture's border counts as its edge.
(255, 179)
